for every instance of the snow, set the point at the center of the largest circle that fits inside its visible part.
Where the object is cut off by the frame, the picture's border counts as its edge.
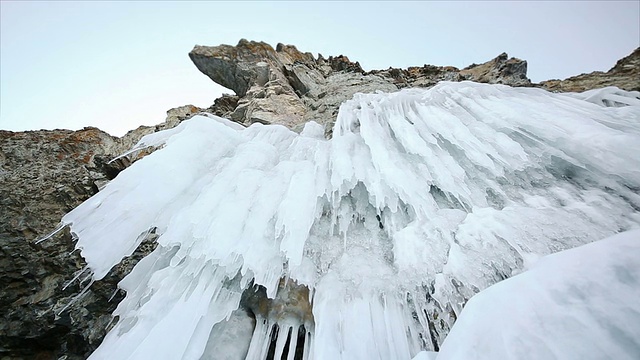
(609, 96)
(580, 303)
(421, 199)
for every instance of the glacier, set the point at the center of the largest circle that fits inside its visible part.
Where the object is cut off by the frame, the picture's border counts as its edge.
(274, 244)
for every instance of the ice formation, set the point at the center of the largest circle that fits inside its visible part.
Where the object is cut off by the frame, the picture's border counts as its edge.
(580, 303)
(609, 96)
(276, 245)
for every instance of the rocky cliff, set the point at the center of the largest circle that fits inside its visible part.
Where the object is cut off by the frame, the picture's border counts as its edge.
(286, 86)
(289, 87)
(44, 174)
(625, 75)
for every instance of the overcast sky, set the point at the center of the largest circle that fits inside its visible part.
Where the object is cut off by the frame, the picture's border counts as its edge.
(117, 65)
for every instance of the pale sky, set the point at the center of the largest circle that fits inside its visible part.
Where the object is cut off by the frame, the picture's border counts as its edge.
(118, 65)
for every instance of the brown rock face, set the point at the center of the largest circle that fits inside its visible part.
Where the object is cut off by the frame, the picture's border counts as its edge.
(43, 175)
(625, 75)
(272, 85)
(501, 70)
(289, 87)
(231, 66)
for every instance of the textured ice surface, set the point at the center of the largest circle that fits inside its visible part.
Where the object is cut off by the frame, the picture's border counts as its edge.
(421, 199)
(609, 96)
(581, 303)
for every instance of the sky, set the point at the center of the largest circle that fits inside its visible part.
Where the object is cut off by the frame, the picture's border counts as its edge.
(117, 65)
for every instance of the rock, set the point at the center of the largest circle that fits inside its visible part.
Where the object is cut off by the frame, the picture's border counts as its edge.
(234, 67)
(501, 70)
(284, 85)
(425, 76)
(224, 106)
(288, 87)
(291, 302)
(179, 114)
(625, 75)
(43, 175)
(256, 72)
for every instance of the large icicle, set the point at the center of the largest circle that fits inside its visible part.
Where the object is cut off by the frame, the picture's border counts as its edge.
(421, 199)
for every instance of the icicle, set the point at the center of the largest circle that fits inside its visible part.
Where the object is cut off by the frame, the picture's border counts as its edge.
(115, 292)
(308, 349)
(284, 334)
(260, 340)
(76, 277)
(51, 234)
(133, 151)
(75, 298)
(344, 241)
(293, 342)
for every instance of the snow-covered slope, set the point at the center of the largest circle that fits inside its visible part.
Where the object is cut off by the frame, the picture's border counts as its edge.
(580, 303)
(421, 199)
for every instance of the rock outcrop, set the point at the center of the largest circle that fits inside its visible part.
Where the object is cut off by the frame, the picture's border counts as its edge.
(283, 85)
(288, 87)
(44, 174)
(501, 70)
(625, 75)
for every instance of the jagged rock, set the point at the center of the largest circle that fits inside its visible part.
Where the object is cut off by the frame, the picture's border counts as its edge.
(234, 67)
(425, 76)
(256, 72)
(289, 314)
(323, 102)
(177, 115)
(43, 175)
(224, 106)
(501, 70)
(625, 75)
(291, 301)
(286, 86)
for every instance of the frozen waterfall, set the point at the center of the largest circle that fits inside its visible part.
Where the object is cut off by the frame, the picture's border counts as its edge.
(274, 244)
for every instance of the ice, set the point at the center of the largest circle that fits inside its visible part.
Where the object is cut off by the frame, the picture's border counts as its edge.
(580, 303)
(420, 200)
(609, 96)
(426, 355)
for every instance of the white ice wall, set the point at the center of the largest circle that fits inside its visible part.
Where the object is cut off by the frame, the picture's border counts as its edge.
(421, 199)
